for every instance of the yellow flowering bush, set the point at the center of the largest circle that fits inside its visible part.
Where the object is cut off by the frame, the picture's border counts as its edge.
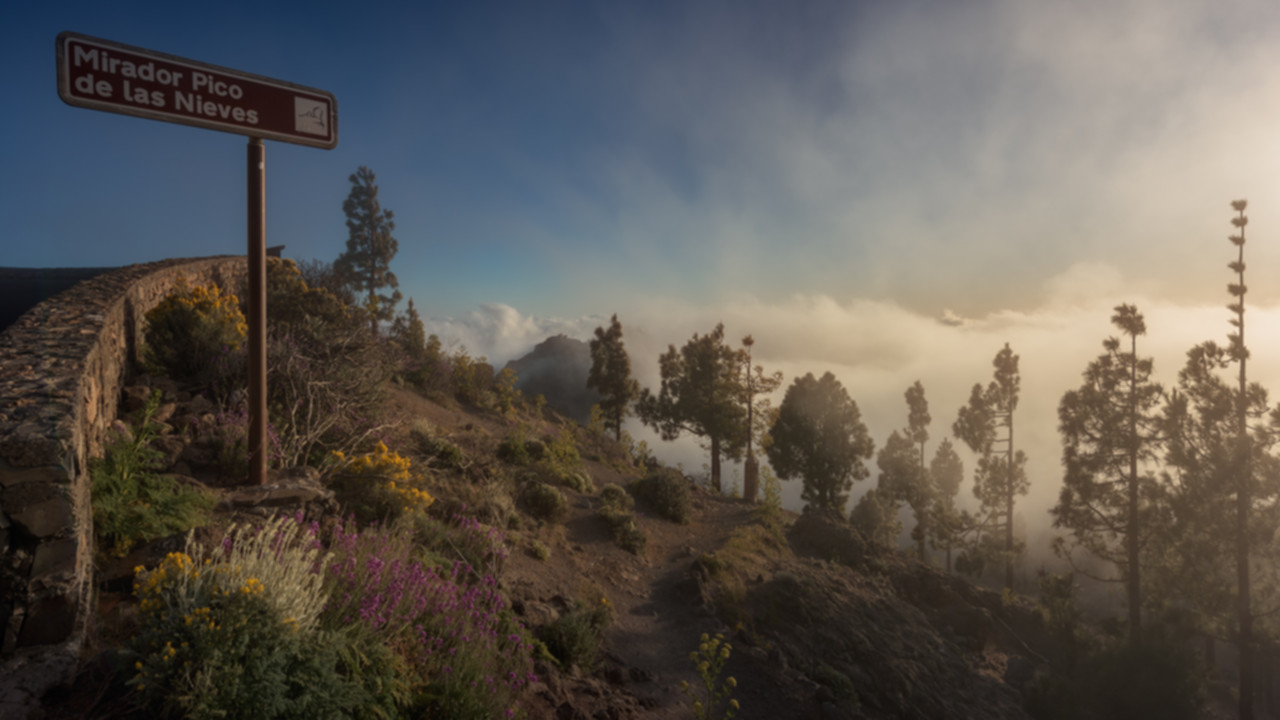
(709, 660)
(232, 632)
(382, 484)
(194, 329)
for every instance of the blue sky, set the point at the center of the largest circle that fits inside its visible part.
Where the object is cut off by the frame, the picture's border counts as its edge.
(562, 157)
(834, 177)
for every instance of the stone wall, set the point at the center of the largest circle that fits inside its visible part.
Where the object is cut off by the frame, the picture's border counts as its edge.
(62, 367)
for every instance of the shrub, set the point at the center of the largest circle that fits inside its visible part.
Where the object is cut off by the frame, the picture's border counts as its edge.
(562, 451)
(505, 394)
(228, 432)
(574, 638)
(380, 485)
(543, 501)
(839, 683)
(709, 660)
(444, 453)
(463, 648)
(232, 633)
(539, 549)
(463, 538)
(624, 529)
(514, 450)
(578, 481)
(666, 493)
(133, 504)
(328, 369)
(191, 327)
(470, 378)
(613, 497)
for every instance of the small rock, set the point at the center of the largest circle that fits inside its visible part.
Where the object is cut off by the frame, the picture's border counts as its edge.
(170, 448)
(164, 412)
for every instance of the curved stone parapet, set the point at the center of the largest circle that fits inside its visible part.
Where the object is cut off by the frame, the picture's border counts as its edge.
(63, 365)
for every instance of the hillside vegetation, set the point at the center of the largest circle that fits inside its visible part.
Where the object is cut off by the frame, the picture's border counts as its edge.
(432, 543)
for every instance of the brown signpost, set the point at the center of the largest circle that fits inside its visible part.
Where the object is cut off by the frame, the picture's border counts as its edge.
(109, 76)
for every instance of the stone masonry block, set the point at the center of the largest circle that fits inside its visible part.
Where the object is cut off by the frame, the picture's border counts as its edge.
(11, 476)
(49, 620)
(53, 558)
(39, 509)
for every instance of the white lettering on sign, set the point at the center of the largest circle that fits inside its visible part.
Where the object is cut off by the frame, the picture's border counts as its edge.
(105, 75)
(190, 102)
(102, 61)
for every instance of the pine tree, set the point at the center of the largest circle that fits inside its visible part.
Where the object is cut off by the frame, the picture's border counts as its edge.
(409, 332)
(903, 473)
(901, 479)
(1109, 431)
(700, 394)
(876, 517)
(946, 471)
(365, 266)
(819, 437)
(610, 375)
(999, 478)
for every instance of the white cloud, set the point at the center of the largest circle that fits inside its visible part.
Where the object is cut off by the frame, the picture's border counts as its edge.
(501, 333)
(878, 349)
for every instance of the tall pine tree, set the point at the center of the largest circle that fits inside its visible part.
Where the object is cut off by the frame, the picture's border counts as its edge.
(946, 472)
(904, 476)
(366, 264)
(986, 426)
(610, 375)
(1110, 432)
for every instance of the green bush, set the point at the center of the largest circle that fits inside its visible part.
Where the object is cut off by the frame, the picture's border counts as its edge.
(613, 497)
(131, 503)
(539, 549)
(666, 493)
(543, 501)
(562, 451)
(839, 683)
(514, 450)
(574, 638)
(625, 530)
(444, 453)
(578, 481)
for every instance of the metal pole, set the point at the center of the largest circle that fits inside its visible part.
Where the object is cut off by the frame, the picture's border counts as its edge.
(257, 311)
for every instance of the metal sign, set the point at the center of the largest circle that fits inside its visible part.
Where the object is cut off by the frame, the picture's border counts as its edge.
(109, 76)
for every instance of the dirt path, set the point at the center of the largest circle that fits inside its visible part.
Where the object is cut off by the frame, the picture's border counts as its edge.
(658, 616)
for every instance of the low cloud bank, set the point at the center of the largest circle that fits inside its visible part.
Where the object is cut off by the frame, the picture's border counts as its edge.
(878, 349)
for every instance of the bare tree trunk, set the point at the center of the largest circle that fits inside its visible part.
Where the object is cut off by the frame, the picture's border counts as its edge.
(715, 463)
(1008, 517)
(751, 481)
(1132, 536)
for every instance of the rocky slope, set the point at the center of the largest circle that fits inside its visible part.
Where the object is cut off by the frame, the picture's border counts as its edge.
(822, 624)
